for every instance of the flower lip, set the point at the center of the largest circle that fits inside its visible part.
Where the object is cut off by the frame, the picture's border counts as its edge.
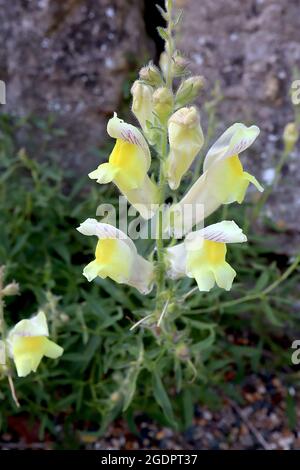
(118, 129)
(92, 227)
(35, 326)
(226, 231)
(187, 117)
(233, 141)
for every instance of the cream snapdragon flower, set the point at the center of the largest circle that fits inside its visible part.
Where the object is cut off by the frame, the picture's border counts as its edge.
(202, 256)
(28, 342)
(127, 167)
(116, 257)
(223, 180)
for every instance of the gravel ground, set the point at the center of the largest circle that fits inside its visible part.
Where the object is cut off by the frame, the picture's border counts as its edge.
(268, 419)
(261, 423)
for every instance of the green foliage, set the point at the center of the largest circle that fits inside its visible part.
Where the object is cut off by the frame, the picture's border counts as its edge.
(106, 368)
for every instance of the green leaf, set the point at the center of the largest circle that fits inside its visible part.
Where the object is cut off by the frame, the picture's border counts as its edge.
(205, 343)
(262, 281)
(162, 398)
(291, 411)
(131, 386)
(188, 408)
(271, 316)
(162, 12)
(163, 33)
(178, 18)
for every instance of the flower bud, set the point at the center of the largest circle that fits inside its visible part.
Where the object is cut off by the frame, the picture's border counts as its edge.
(151, 75)
(182, 352)
(189, 90)
(142, 104)
(179, 65)
(64, 317)
(290, 136)
(11, 289)
(163, 103)
(186, 139)
(163, 63)
(115, 397)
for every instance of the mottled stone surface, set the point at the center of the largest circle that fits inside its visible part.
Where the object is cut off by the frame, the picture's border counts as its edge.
(251, 47)
(70, 58)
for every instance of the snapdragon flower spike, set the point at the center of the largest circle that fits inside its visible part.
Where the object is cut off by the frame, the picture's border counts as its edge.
(127, 167)
(116, 257)
(28, 342)
(202, 256)
(186, 139)
(223, 181)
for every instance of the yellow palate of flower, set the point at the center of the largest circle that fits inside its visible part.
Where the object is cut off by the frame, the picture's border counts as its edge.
(209, 253)
(208, 266)
(230, 181)
(113, 258)
(28, 352)
(129, 168)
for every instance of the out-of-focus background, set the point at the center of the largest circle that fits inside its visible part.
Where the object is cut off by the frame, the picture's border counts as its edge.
(68, 66)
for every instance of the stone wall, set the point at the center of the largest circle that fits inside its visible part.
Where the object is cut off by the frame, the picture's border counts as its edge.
(70, 58)
(251, 47)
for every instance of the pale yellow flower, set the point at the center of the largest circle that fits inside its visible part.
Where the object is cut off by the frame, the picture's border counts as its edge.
(202, 256)
(186, 139)
(28, 343)
(142, 106)
(116, 257)
(127, 167)
(223, 181)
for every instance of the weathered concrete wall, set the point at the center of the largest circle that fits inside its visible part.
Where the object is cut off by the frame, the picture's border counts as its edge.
(70, 58)
(251, 48)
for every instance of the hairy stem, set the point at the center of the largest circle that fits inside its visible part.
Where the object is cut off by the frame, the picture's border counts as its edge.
(161, 268)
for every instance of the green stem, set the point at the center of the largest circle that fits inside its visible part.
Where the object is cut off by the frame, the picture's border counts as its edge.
(161, 268)
(170, 47)
(161, 200)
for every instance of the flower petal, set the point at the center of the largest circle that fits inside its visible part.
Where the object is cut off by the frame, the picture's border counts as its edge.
(35, 326)
(204, 278)
(186, 139)
(145, 198)
(118, 129)
(233, 141)
(226, 231)
(92, 227)
(91, 270)
(199, 202)
(105, 173)
(254, 181)
(176, 257)
(224, 275)
(51, 349)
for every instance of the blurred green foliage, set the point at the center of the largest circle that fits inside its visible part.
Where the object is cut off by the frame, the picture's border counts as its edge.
(216, 340)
